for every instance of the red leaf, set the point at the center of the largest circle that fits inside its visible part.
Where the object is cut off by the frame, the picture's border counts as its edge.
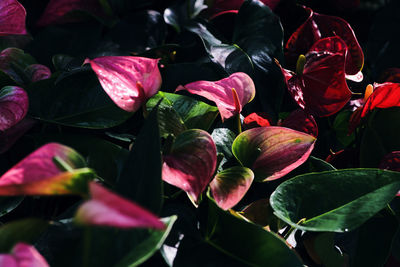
(13, 106)
(191, 163)
(385, 95)
(229, 186)
(221, 92)
(129, 81)
(391, 75)
(12, 18)
(23, 255)
(300, 121)
(256, 119)
(38, 174)
(108, 209)
(321, 89)
(272, 152)
(318, 26)
(56, 11)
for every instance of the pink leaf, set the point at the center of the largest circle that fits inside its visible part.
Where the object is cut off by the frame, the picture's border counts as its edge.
(319, 26)
(222, 92)
(384, 95)
(12, 18)
(299, 120)
(191, 163)
(108, 209)
(229, 186)
(13, 106)
(38, 174)
(23, 255)
(272, 152)
(38, 72)
(56, 11)
(129, 81)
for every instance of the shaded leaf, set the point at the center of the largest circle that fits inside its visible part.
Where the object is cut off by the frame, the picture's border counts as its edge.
(13, 106)
(12, 18)
(272, 152)
(300, 121)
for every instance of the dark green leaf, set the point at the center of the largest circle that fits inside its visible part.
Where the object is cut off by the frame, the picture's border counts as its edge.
(140, 179)
(334, 201)
(8, 204)
(246, 242)
(223, 139)
(341, 127)
(182, 12)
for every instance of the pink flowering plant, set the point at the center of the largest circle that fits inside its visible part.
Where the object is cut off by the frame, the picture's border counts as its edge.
(199, 133)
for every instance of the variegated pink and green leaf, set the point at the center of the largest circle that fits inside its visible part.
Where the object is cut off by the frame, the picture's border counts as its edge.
(272, 152)
(230, 185)
(229, 94)
(52, 169)
(12, 18)
(38, 72)
(191, 163)
(23, 255)
(128, 81)
(106, 208)
(14, 105)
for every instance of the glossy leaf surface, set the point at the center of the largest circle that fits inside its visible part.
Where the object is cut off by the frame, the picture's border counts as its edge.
(191, 163)
(14, 105)
(318, 26)
(129, 81)
(272, 152)
(350, 197)
(229, 94)
(385, 95)
(12, 18)
(51, 169)
(229, 186)
(108, 209)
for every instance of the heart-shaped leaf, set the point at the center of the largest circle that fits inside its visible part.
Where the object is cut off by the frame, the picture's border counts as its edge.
(384, 95)
(299, 120)
(335, 201)
(229, 94)
(23, 255)
(230, 185)
(129, 81)
(12, 18)
(108, 209)
(191, 163)
(272, 152)
(318, 26)
(13, 106)
(50, 170)
(321, 88)
(57, 10)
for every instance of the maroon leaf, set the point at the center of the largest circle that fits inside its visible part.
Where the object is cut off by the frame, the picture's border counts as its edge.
(384, 95)
(318, 26)
(272, 152)
(23, 255)
(299, 120)
(391, 75)
(321, 88)
(108, 209)
(12, 18)
(57, 10)
(230, 185)
(191, 163)
(13, 106)
(229, 94)
(256, 119)
(129, 81)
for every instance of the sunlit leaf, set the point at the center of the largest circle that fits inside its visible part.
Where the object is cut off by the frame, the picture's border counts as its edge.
(105, 208)
(229, 94)
(385, 95)
(129, 81)
(191, 163)
(272, 152)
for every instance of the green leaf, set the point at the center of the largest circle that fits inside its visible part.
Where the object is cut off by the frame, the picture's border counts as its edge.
(26, 230)
(341, 128)
(246, 242)
(14, 62)
(334, 201)
(380, 137)
(144, 250)
(77, 100)
(324, 246)
(182, 112)
(223, 139)
(183, 11)
(140, 179)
